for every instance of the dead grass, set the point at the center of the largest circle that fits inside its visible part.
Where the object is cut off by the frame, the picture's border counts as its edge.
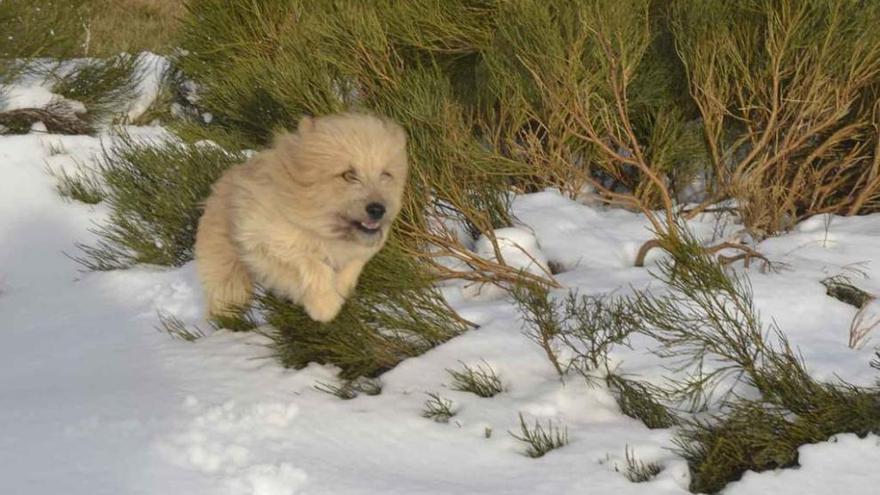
(115, 26)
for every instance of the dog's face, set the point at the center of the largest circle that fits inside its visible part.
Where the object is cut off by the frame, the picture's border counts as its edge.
(351, 170)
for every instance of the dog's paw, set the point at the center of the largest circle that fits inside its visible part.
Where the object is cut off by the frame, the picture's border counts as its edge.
(324, 309)
(345, 286)
(347, 278)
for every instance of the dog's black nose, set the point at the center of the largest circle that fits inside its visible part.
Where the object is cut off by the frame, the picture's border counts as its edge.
(375, 210)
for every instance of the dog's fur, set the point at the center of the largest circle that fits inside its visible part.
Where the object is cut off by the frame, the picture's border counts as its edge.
(293, 218)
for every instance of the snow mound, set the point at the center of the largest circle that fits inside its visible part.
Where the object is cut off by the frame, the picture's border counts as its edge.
(824, 468)
(268, 479)
(226, 439)
(149, 73)
(519, 249)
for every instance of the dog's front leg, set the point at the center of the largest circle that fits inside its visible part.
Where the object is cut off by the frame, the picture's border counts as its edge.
(347, 278)
(320, 297)
(304, 279)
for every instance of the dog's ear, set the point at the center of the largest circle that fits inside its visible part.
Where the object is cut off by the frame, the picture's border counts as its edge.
(306, 124)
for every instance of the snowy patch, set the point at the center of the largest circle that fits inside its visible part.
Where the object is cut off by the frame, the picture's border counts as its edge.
(840, 465)
(94, 400)
(519, 249)
(149, 73)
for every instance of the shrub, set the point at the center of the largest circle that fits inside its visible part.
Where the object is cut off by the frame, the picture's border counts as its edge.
(641, 401)
(540, 440)
(394, 313)
(178, 329)
(438, 409)
(588, 326)
(709, 317)
(153, 191)
(37, 28)
(787, 92)
(85, 187)
(40, 28)
(350, 389)
(480, 380)
(102, 85)
(638, 471)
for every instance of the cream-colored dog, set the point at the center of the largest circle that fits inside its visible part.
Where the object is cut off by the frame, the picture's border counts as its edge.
(303, 217)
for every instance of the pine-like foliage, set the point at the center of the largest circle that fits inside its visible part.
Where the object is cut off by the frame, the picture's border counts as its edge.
(153, 191)
(40, 28)
(438, 408)
(37, 28)
(102, 85)
(394, 314)
(787, 91)
(480, 380)
(85, 187)
(708, 323)
(539, 439)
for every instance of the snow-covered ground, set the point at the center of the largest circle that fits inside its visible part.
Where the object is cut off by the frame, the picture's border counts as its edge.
(94, 400)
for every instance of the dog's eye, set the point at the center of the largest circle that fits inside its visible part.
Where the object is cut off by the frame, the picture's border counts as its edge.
(350, 176)
(387, 176)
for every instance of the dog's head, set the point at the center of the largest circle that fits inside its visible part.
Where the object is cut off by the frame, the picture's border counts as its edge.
(350, 170)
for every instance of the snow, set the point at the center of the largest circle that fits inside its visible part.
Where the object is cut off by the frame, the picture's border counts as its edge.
(34, 88)
(824, 469)
(519, 249)
(149, 72)
(94, 400)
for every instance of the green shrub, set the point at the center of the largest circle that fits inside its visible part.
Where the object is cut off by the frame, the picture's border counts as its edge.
(438, 409)
(539, 439)
(40, 28)
(37, 28)
(351, 388)
(153, 190)
(638, 471)
(104, 86)
(588, 326)
(708, 316)
(85, 187)
(787, 93)
(641, 401)
(178, 329)
(759, 436)
(479, 380)
(394, 314)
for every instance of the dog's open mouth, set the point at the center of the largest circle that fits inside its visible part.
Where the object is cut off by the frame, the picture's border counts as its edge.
(367, 227)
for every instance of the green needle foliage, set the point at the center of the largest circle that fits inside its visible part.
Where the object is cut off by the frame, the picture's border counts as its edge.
(480, 380)
(588, 326)
(639, 471)
(708, 322)
(350, 389)
(37, 28)
(640, 401)
(438, 409)
(153, 190)
(178, 329)
(102, 85)
(539, 439)
(40, 28)
(394, 314)
(85, 187)
(787, 92)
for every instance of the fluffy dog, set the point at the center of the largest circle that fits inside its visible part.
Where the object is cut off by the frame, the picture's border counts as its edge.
(303, 217)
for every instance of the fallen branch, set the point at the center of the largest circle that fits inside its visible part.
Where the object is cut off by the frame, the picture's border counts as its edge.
(58, 119)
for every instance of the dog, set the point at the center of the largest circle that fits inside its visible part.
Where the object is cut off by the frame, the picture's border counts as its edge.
(303, 217)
